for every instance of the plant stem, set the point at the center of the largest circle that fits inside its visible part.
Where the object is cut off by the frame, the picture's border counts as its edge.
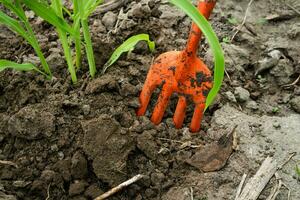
(68, 55)
(88, 46)
(34, 42)
(77, 39)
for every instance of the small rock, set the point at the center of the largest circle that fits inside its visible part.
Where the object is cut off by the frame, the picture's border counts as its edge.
(128, 90)
(48, 175)
(86, 109)
(157, 178)
(55, 61)
(134, 103)
(79, 166)
(295, 103)
(294, 32)
(54, 147)
(109, 19)
(31, 59)
(252, 105)
(77, 188)
(98, 27)
(242, 94)
(93, 191)
(230, 96)
(61, 155)
(282, 71)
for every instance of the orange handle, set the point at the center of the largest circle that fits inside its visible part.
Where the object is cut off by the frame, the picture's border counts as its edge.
(205, 8)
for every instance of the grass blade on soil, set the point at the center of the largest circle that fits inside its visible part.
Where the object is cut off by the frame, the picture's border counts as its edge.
(128, 45)
(5, 64)
(213, 41)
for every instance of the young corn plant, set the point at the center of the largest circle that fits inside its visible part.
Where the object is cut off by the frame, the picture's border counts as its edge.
(82, 11)
(53, 14)
(22, 28)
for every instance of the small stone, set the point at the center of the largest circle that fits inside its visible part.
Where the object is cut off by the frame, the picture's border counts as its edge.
(230, 96)
(77, 188)
(157, 178)
(295, 103)
(86, 109)
(54, 147)
(242, 95)
(134, 103)
(252, 105)
(276, 125)
(128, 90)
(55, 60)
(109, 19)
(61, 155)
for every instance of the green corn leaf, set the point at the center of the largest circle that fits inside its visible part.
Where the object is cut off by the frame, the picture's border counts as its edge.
(48, 14)
(5, 64)
(9, 4)
(128, 45)
(213, 41)
(14, 25)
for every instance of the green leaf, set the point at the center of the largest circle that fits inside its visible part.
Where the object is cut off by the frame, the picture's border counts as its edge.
(48, 14)
(5, 64)
(213, 41)
(297, 169)
(9, 4)
(128, 45)
(14, 25)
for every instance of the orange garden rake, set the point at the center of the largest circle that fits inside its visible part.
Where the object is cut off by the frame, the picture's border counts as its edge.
(180, 72)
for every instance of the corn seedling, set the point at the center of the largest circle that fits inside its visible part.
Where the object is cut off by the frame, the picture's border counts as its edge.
(5, 64)
(213, 41)
(23, 28)
(83, 9)
(53, 14)
(128, 46)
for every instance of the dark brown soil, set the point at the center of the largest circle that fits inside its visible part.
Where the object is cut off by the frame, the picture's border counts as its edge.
(77, 141)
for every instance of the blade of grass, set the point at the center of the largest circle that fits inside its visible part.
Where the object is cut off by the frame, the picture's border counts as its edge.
(77, 39)
(5, 64)
(15, 26)
(88, 47)
(35, 43)
(213, 41)
(48, 14)
(57, 7)
(128, 45)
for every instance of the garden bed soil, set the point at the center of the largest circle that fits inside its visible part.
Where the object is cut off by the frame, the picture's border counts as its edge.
(68, 141)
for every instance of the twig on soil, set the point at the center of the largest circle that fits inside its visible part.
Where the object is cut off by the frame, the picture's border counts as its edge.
(179, 142)
(244, 21)
(288, 160)
(293, 83)
(48, 192)
(259, 181)
(120, 187)
(277, 188)
(293, 8)
(4, 162)
(192, 193)
(239, 190)
(109, 6)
